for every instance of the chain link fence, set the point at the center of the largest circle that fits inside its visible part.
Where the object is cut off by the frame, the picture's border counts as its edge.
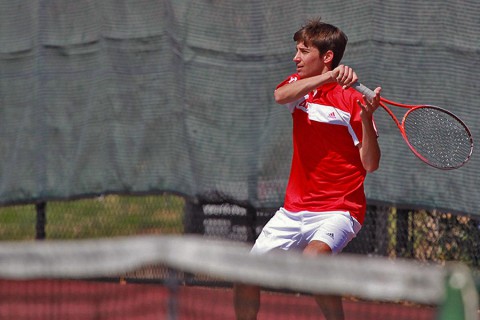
(388, 231)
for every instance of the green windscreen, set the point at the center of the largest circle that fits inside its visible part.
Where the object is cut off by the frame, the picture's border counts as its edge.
(149, 96)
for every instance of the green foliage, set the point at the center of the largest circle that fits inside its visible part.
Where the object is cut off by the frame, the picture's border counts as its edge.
(105, 216)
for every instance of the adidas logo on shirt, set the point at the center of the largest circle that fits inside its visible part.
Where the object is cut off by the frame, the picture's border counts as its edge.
(332, 115)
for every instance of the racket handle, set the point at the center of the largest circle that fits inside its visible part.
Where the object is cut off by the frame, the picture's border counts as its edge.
(363, 90)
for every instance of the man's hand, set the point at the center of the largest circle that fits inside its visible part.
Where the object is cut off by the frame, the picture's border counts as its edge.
(344, 76)
(369, 107)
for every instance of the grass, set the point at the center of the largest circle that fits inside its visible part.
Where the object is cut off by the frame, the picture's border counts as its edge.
(106, 216)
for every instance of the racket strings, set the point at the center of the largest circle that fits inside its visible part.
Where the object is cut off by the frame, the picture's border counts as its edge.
(438, 137)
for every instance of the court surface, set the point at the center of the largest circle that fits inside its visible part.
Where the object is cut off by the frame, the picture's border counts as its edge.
(75, 300)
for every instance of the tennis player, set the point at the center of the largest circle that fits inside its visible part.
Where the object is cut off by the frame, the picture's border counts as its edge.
(334, 146)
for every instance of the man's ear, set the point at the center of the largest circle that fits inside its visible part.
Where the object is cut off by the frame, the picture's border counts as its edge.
(328, 57)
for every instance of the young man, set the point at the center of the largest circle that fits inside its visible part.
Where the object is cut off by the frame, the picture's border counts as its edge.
(334, 146)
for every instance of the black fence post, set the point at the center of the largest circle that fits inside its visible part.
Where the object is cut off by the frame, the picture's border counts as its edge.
(41, 220)
(251, 224)
(404, 247)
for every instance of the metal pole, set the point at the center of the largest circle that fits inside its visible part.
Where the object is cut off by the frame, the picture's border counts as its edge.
(41, 220)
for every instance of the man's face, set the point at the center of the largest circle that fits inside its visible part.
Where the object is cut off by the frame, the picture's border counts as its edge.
(308, 60)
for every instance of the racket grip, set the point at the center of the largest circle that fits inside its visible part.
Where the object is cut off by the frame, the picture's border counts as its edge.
(363, 90)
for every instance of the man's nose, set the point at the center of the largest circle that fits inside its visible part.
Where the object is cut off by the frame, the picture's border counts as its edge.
(296, 57)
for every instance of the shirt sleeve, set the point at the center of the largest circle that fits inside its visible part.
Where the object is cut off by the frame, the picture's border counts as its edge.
(294, 77)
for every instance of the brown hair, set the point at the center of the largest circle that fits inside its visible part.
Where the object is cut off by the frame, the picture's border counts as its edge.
(324, 37)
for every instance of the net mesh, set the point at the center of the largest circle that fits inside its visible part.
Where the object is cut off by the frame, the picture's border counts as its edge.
(187, 277)
(440, 138)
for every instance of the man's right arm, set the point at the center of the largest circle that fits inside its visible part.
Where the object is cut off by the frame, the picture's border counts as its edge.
(295, 90)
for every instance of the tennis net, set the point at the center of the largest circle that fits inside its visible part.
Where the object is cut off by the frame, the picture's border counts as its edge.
(190, 277)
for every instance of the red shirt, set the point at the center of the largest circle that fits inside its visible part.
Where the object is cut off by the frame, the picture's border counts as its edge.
(326, 172)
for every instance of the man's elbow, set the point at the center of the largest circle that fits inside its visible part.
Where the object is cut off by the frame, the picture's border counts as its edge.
(282, 97)
(373, 164)
(278, 97)
(372, 167)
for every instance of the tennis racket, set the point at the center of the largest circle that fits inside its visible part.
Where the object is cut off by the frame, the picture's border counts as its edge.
(435, 135)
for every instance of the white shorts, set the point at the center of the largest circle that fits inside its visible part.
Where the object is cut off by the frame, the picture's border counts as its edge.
(294, 230)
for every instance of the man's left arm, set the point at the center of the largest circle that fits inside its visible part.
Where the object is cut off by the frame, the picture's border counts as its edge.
(369, 148)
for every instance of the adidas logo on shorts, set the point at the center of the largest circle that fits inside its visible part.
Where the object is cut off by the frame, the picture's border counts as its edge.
(331, 235)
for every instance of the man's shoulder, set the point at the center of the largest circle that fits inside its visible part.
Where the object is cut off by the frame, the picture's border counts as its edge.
(291, 78)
